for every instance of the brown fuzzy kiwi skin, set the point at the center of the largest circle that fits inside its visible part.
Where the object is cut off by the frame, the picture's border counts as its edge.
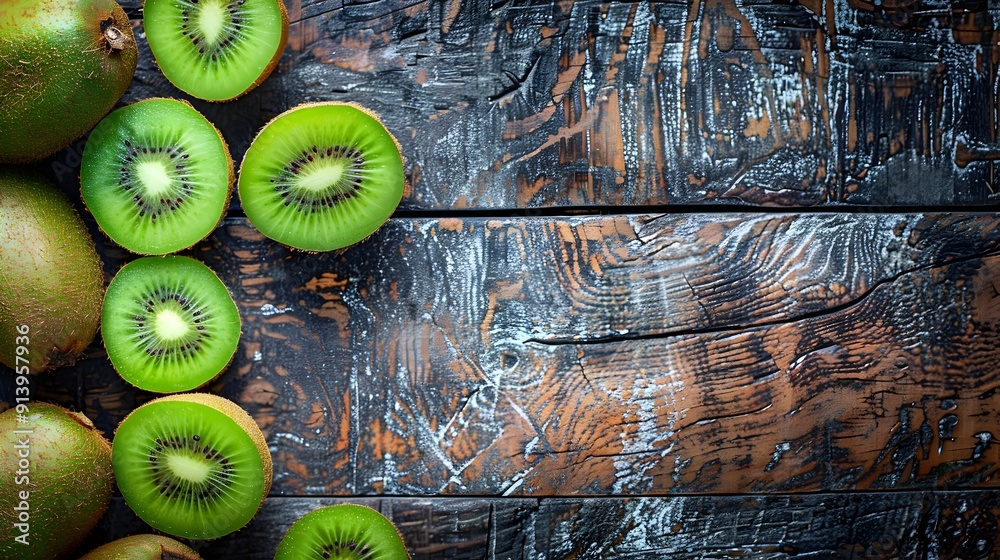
(271, 65)
(66, 64)
(230, 166)
(69, 486)
(53, 286)
(242, 419)
(143, 547)
(363, 109)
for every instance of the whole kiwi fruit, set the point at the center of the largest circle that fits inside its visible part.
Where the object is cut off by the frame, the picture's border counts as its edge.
(143, 547)
(65, 64)
(57, 483)
(52, 281)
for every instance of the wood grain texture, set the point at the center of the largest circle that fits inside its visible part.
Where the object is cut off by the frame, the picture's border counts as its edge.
(621, 355)
(517, 105)
(508, 382)
(910, 525)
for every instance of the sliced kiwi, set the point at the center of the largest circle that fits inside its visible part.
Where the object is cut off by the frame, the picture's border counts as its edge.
(321, 176)
(216, 50)
(342, 532)
(193, 465)
(169, 324)
(156, 175)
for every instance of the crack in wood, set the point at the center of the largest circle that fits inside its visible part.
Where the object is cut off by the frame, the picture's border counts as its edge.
(764, 323)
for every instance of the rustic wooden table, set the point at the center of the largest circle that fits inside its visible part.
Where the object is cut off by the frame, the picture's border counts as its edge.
(703, 279)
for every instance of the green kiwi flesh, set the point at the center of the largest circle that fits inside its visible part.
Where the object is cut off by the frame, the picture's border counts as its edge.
(192, 465)
(143, 547)
(50, 299)
(216, 50)
(55, 496)
(342, 532)
(321, 176)
(65, 64)
(156, 175)
(169, 323)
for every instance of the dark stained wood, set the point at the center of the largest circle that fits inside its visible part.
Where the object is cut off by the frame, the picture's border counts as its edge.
(863, 525)
(505, 381)
(615, 355)
(513, 105)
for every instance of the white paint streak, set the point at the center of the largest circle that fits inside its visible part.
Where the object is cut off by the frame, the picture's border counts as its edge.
(296, 438)
(648, 404)
(267, 310)
(530, 447)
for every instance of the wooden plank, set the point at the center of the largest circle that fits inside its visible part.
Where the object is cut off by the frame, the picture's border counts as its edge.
(514, 105)
(713, 370)
(863, 525)
(626, 355)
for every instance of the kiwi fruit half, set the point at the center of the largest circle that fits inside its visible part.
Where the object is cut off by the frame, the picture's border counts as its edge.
(216, 50)
(50, 296)
(156, 175)
(169, 324)
(143, 547)
(57, 480)
(192, 465)
(65, 64)
(342, 532)
(321, 176)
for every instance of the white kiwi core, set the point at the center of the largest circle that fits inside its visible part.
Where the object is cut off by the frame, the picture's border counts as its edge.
(322, 177)
(212, 18)
(154, 177)
(188, 468)
(170, 325)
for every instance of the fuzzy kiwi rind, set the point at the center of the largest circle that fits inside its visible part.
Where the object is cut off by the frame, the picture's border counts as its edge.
(202, 79)
(66, 64)
(208, 439)
(195, 175)
(322, 176)
(169, 324)
(143, 547)
(342, 531)
(66, 477)
(50, 299)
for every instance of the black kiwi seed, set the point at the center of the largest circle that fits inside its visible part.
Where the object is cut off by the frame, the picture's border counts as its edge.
(348, 186)
(164, 349)
(174, 487)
